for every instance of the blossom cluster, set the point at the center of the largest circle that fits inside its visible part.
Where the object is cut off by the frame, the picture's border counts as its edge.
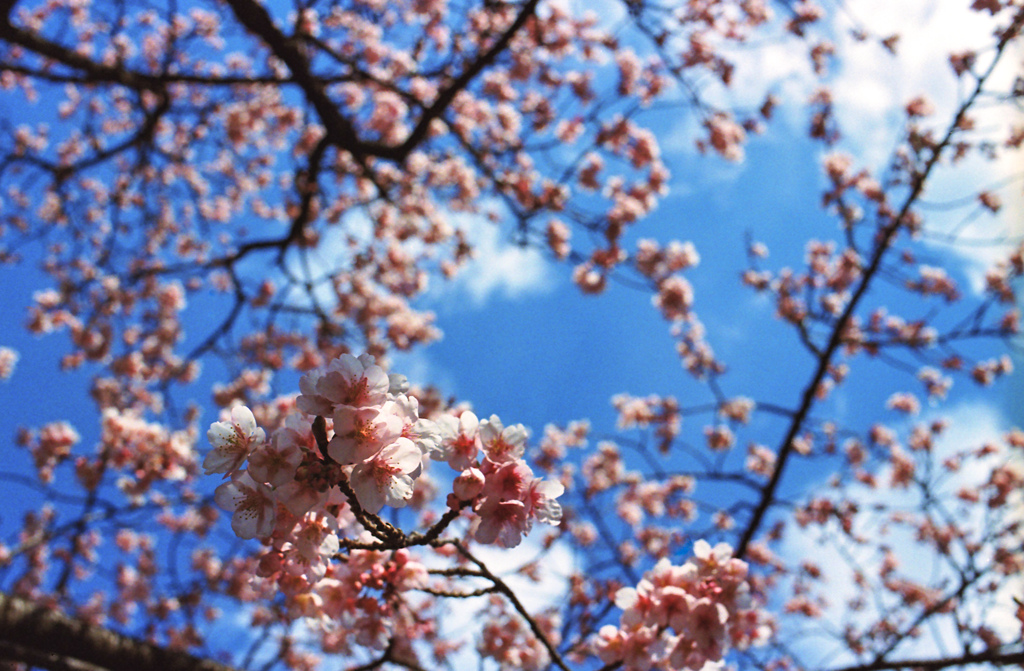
(682, 617)
(8, 358)
(375, 446)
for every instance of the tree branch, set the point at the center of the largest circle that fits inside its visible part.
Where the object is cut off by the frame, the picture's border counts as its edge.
(340, 131)
(419, 133)
(93, 71)
(503, 588)
(5, 9)
(50, 639)
(883, 243)
(988, 657)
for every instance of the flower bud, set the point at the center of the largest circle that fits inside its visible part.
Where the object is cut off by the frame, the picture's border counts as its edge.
(270, 563)
(468, 484)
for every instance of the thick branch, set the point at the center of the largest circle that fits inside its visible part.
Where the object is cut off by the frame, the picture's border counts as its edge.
(419, 133)
(42, 659)
(340, 131)
(53, 640)
(884, 240)
(93, 70)
(987, 657)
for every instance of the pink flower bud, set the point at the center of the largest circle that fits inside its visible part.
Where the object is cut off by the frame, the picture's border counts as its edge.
(468, 484)
(270, 563)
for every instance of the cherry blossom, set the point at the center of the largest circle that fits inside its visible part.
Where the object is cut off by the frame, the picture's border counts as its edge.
(233, 441)
(502, 521)
(386, 478)
(275, 462)
(502, 444)
(214, 204)
(347, 381)
(252, 504)
(695, 611)
(361, 433)
(8, 358)
(461, 440)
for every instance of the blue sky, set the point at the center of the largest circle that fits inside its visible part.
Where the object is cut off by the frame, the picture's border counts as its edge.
(537, 353)
(519, 339)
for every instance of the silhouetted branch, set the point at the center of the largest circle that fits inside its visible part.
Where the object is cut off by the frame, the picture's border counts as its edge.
(55, 641)
(988, 657)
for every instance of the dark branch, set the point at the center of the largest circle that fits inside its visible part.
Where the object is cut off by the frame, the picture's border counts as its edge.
(340, 131)
(436, 110)
(94, 72)
(988, 657)
(885, 238)
(50, 639)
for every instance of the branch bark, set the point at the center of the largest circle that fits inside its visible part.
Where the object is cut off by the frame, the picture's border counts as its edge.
(6, 6)
(50, 639)
(92, 71)
(340, 131)
(988, 657)
(882, 245)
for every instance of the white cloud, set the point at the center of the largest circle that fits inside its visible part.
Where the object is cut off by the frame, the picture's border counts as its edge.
(974, 235)
(499, 268)
(972, 424)
(462, 621)
(870, 88)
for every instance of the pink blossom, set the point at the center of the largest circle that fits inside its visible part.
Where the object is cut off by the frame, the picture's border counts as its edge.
(509, 480)
(502, 443)
(386, 478)
(360, 433)
(725, 136)
(315, 542)
(425, 433)
(461, 440)
(674, 298)
(705, 635)
(737, 409)
(589, 279)
(904, 402)
(275, 462)
(920, 107)
(990, 201)
(719, 437)
(502, 521)
(299, 497)
(232, 441)
(691, 612)
(543, 506)
(8, 358)
(347, 381)
(630, 646)
(252, 504)
(469, 484)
